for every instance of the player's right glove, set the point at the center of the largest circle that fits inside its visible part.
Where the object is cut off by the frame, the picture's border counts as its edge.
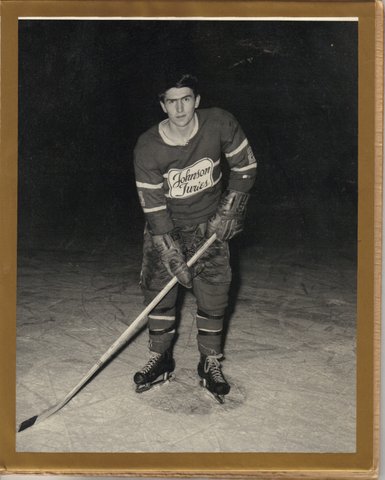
(229, 217)
(172, 258)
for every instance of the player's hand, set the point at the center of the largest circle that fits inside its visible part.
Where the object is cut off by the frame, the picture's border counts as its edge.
(173, 258)
(229, 219)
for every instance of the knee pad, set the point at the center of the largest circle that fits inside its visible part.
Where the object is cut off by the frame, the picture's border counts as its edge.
(168, 301)
(211, 299)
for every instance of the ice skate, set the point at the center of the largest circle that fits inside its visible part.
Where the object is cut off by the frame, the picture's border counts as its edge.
(157, 370)
(209, 369)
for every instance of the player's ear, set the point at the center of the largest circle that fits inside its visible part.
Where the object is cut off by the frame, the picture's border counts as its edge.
(163, 106)
(197, 101)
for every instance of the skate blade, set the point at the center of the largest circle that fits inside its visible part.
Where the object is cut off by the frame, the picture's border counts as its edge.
(219, 398)
(166, 377)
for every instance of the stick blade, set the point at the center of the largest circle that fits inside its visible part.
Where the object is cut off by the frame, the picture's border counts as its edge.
(27, 423)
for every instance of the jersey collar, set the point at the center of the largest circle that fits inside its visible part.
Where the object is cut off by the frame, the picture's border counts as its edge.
(171, 142)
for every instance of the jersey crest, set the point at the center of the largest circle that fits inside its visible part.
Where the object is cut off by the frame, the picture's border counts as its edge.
(185, 182)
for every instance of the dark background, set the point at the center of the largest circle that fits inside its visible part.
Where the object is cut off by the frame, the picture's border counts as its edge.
(88, 89)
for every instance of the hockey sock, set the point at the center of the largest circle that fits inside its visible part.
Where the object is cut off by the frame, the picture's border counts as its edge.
(209, 336)
(161, 330)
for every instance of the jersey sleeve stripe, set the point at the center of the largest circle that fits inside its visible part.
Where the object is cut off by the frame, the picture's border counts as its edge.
(237, 150)
(155, 209)
(243, 169)
(149, 185)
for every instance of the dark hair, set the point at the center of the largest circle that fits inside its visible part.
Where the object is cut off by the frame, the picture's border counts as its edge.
(179, 81)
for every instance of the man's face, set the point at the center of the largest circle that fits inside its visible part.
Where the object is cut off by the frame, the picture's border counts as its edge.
(180, 105)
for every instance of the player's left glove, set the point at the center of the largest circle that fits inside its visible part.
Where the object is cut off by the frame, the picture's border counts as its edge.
(229, 217)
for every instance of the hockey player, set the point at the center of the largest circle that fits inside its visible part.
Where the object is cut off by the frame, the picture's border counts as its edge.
(179, 181)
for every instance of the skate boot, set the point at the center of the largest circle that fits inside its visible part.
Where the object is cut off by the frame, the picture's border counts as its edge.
(209, 369)
(157, 370)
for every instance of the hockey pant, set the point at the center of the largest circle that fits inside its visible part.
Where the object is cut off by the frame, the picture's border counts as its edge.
(211, 282)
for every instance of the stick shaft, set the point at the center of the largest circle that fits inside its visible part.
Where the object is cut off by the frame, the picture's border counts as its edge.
(135, 326)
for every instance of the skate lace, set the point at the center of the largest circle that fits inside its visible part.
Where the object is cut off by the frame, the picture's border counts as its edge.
(153, 360)
(213, 366)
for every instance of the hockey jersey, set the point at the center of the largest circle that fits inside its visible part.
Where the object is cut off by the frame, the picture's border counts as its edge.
(181, 184)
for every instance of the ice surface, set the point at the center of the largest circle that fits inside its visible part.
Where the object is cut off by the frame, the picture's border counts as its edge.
(290, 358)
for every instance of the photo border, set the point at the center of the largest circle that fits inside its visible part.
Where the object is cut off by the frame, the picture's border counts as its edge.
(363, 463)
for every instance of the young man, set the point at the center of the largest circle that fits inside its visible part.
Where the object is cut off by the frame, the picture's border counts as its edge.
(178, 177)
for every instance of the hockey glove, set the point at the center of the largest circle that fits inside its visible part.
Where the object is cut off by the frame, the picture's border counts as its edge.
(230, 215)
(172, 258)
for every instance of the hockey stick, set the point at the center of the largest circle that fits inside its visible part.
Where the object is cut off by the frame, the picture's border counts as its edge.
(135, 326)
